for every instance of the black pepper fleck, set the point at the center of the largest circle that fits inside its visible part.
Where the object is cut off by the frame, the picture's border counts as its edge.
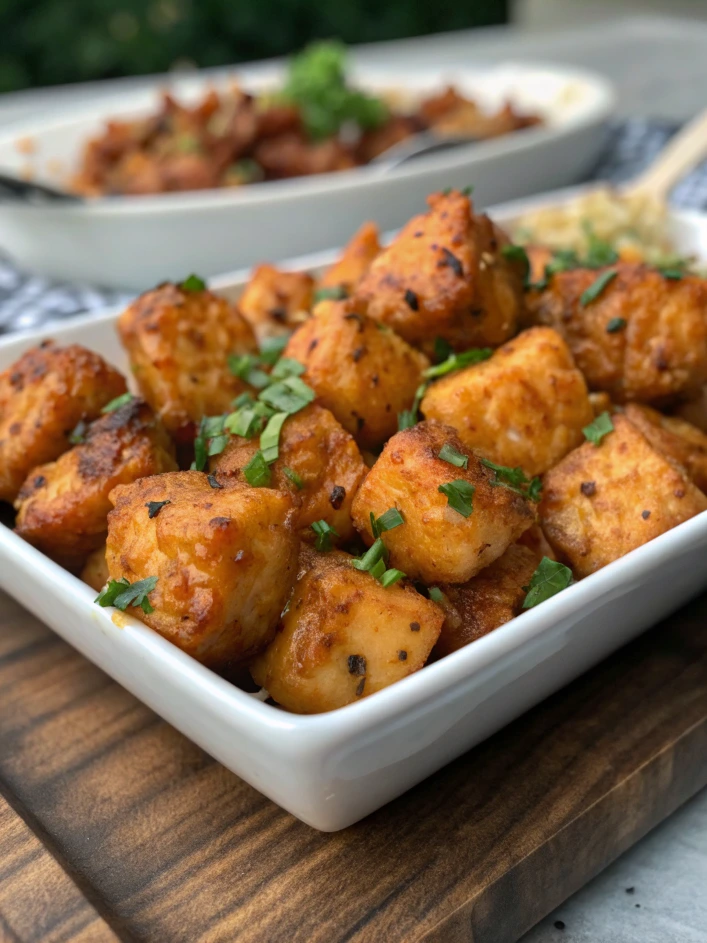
(213, 481)
(360, 687)
(279, 314)
(39, 481)
(357, 354)
(449, 259)
(357, 664)
(415, 626)
(411, 300)
(402, 656)
(588, 488)
(312, 344)
(630, 890)
(645, 515)
(336, 498)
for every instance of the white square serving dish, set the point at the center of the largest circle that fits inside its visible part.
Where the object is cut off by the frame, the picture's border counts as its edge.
(332, 769)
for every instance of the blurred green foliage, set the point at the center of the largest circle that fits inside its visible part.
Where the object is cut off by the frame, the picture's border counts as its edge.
(47, 42)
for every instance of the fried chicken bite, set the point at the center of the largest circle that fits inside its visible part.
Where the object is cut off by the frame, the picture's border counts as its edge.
(525, 406)
(490, 599)
(355, 260)
(62, 508)
(445, 276)
(364, 374)
(179, 342)
(318, 463)
(603, 501)
(95, 569)
(225, 561)
(344, 636)
(43, 396)
(674, 437)
(275, 302)
(438, 542)
(642, 338)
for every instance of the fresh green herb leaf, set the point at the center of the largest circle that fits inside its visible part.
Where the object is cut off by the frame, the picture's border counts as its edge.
(449, 454)
(121, 594)
(377, 570)
(596, 430)
(271, 349)
(446, 191)
(294, 477)
(217, 444)
(270, 437)
(457, 361)
(325, 532)
(288, 396)
(245, 367)
(615, 325)
(515, 479)
(210, 428)
(443, 349)
(467, 190)
(550, 578)
(562, 261)
(391, 576)
(435, 594)
(330, 293)
(375, 553)
(78, 434)
(245, 170)
(257, 471)
(193, 283)
(518, 254)
(246, 422)
(388, 521)
(244, 399)
(599, 251)
(673, 274)
(287, 367)
(118, 402)
(409, 417)
(597, 287)
(154, 507)
(459, 495)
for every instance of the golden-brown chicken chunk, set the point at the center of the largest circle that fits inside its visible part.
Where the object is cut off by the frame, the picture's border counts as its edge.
(179, 342)
(355, 260)
(62, 508)
(95, 569)
(643, 337)
(318, 462)
(438, 543)
(225, 561)
(363, 374)
(675, 438)
(43, 396)
(445, 276)
(275, 302)
(344, 636)
(603, 501)
(492, 598)
(526, 405)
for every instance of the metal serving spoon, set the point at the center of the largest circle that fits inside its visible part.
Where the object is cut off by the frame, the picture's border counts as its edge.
(17, 190)
(418, 145)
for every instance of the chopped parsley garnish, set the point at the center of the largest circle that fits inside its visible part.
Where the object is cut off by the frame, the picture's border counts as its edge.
(457, 361)
(116, 403)
(325, 532)
(248, 421)
(562, 261)
(257, 472)
(599, 251)
(213, 481)
(467, 190)
(388, 521)
(596, 430)
(210, 440)
(287, 367)
(443, 349)
(449, 454)
(550, 578)
(615, 325)
(77, 436)
(518, 254)
(246, 367)
(391, 576)
(294, 477)
(459, 495)
(288, 396)
(330, 293)
(193, 283)
(121, 594)
(154, 507)
(408, 417)
(243, 399)
(515, 479)
(271, 349)
(672, 273)
(597, 287)
(270, 437)
(435, 594)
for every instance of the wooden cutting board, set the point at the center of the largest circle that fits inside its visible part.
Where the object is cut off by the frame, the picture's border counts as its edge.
(115, 827)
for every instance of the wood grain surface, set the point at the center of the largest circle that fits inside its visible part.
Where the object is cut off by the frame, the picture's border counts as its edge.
(145, 837)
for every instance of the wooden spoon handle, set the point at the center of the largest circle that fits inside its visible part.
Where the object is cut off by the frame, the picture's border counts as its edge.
(681, 154)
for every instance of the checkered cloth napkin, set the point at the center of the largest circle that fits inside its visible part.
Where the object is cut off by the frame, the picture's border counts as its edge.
(28, 301)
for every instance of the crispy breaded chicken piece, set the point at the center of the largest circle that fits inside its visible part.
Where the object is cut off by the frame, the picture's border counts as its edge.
(225, 561)
(42, 398)
(321, 454)
(490, 599)
(675, 438)
(355, 260)
(444, 276)
(603, 501)
(437, 543)
(179, 342)
(275, 302)
(344, 636)
(62, 508)
(526, 405)
(364, 374)
(643, 338)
